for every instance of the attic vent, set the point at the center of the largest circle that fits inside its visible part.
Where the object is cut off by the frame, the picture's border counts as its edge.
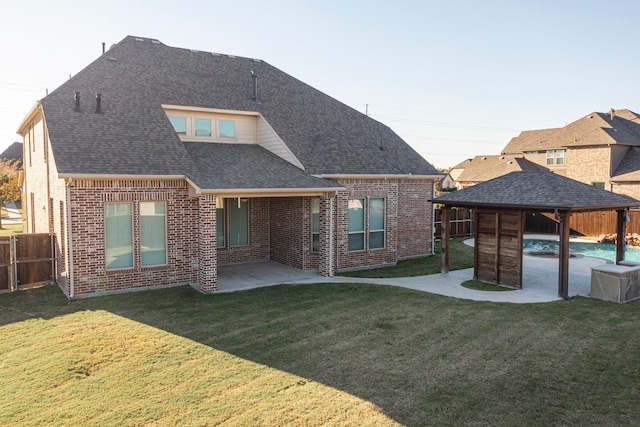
(484, 158)
(591, 116)
(113, 59)
(215, 54)
(257, 60)
(195, 51)
(138, 39)
(509, 162)
(155, 41)
(501, 157)
(231, 56)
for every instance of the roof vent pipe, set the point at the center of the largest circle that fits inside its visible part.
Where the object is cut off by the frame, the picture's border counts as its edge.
(613, 113)
(103, 44)
(254, 76)
(98, 103)
(76, 98)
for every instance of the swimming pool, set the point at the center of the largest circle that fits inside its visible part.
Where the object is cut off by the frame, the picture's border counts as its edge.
(600, 250)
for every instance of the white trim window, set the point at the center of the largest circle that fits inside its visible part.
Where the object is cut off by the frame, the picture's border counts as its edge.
(153, 234)
(555, 157)
(197, 127)
(367, 221)
(239, 222)
(356, 225)
(377, 223)
(315, 225)
(118, 235)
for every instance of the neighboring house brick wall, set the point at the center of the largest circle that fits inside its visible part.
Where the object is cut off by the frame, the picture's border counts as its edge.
(258, 247)
(630, 188)
(87, 203)
(589, 165)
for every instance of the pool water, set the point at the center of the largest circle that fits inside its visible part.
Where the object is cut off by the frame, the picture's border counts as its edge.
(599, 250)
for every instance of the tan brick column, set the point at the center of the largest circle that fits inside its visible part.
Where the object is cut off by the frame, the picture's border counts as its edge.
(207, 250)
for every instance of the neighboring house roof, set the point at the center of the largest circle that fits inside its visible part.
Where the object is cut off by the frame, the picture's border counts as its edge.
(133, 136)
(13, 152)
(616, 127)
(629, 167)
(537, 190)
(484, 168)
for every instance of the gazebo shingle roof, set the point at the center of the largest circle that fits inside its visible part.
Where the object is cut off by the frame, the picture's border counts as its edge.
(537, 190)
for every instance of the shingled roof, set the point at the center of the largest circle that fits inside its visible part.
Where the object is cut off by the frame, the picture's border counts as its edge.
(484, 168)
(537, 190)
(132, 135)
(616, 127)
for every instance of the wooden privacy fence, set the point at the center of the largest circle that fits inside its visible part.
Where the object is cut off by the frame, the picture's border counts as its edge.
(26, 260)
(582, 223)
(460, 223)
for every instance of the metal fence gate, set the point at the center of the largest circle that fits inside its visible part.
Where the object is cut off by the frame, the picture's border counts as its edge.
(26, 260)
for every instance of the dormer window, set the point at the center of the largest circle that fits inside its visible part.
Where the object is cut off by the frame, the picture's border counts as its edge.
(203, 128)
(226, 129)
(179, 124)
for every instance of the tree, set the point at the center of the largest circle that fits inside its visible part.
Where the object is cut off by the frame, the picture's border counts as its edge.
(10, 190)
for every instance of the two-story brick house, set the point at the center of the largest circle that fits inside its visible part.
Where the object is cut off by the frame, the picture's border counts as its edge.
(599, 149)
(155, 165)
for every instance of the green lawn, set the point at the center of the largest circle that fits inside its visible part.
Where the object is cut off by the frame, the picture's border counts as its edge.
(326, 354)
(460, 256)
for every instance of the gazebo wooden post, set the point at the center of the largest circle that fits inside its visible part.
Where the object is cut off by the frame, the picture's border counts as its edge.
(444, 239)
(621, 231)
(563, 252)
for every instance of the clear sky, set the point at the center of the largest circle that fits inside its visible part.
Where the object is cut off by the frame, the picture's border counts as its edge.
(453, 78)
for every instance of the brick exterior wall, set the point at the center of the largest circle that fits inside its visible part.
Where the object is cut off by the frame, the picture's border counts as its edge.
(288, 230)
(349, 260)
(279, 228)
(207, 258)
(589, 165)
(258, 248)
(415, 218)
(87, 206)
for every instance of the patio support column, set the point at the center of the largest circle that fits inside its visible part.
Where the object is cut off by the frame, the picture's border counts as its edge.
(444, 240)
(621, 231)
(563, 252)
(207, 249)
(326, 266)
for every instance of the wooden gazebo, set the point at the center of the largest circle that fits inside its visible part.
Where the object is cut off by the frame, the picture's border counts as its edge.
(498, 212)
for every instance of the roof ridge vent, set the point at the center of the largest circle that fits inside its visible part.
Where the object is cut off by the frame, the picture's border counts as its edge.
(231, 56)
(138, 39)
(194, 51)
(155, 41)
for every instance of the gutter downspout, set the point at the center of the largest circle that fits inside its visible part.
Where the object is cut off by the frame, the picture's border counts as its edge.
(69, 238)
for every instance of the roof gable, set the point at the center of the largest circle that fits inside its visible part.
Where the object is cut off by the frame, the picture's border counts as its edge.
(132, 135)
(619, 127)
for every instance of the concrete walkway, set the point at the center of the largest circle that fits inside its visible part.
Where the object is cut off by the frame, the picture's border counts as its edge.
(540, 280)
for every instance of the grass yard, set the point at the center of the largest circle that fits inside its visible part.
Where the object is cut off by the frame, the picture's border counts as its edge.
(460, 256)
(330, 354)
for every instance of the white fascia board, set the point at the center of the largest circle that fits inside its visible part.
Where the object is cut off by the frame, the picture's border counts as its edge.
(31, 115)
(381, 176)
(208, 110)
(116, 176)
(271, 192)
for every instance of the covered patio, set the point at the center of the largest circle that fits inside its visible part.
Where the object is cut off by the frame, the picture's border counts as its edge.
(499, 206)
